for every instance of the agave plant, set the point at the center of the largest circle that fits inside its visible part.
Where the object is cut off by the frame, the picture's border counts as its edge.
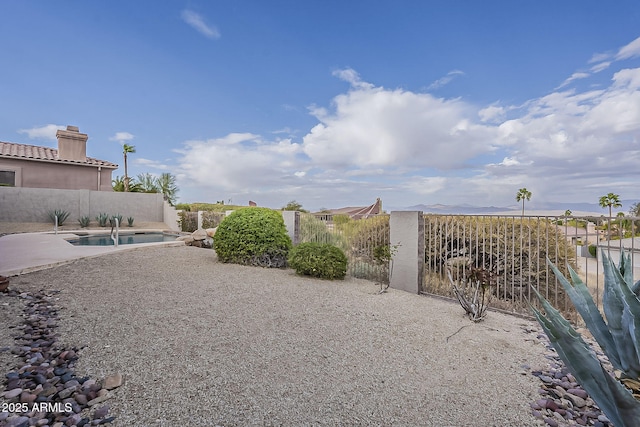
(84, 221)
(619, 338)
(102, 219)
(61, 214)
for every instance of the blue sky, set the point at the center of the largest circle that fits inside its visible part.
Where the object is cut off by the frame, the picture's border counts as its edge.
(335, 103)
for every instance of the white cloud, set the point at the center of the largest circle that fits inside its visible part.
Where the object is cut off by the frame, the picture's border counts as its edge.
(122, 137)
(46, 132)
(573, 77)
(372, 126)
(154, 164)
(600, 66)
(238, 162)
(631, 50)
(446, 79)
(196, 21)
(411, 148)
(350, 76)
(492, 113)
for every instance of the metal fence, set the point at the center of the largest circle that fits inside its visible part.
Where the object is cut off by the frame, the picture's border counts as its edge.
(364, 241)
(513, 250)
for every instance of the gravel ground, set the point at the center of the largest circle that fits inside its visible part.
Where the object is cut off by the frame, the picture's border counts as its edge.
(202, 343)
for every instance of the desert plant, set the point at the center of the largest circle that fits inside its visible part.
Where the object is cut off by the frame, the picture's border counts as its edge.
(102, 219)
(130, 221)
(253, 236)
(62, 216)
(472, 291)
(188, 221)
(114, 217)
(383, 256)
(84, 221)
(314, 230)
(211, 219)
(485, 242)
(318, 260)
(619, 338)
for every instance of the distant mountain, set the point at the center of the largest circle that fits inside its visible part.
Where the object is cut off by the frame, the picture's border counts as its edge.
(549, 208)
(458, 209)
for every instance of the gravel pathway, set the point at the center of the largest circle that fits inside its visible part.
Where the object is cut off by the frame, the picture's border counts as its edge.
(201, 343)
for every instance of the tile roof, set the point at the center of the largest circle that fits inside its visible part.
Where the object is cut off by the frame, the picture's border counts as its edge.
(34, 152)
(358, 212)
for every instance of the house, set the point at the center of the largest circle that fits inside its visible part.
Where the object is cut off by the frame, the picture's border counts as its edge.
(66, 168)
(352, 212)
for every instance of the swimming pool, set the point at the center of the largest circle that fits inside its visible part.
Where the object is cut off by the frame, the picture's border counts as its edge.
(124, 239)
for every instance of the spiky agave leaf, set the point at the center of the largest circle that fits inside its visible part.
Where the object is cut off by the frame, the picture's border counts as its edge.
(615, 401)
(622, 308)
(626, 269)
(582, 300)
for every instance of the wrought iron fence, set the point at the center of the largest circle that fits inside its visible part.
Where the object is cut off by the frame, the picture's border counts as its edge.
(514, 251)
(364, 241)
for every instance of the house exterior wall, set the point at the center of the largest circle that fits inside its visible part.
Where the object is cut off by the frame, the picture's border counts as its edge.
(42, 174)
(34, 204)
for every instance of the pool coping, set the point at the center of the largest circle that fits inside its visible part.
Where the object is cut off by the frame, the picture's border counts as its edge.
(26, 252)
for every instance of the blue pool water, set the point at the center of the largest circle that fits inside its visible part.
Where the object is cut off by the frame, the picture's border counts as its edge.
(124, 239)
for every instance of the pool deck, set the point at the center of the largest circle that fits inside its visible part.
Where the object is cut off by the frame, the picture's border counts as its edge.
(26, 252)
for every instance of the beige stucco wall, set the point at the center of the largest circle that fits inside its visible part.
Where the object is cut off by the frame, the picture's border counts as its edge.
(39, 174)
(34, 205)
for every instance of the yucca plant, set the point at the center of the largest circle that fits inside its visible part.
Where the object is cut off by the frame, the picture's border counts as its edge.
(619, 338)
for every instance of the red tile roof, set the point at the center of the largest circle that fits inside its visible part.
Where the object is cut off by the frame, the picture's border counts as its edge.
(34, 152)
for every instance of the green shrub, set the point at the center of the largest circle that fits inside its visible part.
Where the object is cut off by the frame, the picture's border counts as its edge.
(62, 216)
(319, 260)
(84, 221)
(253, 236)
(593, 250)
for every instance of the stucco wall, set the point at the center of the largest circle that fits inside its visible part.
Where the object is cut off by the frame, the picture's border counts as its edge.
(407, 231)
(34, 174)
(33, 205)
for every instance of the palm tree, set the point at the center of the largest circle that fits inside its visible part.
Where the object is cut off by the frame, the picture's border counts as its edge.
(568, 212)
(167, 185)
(612, 201)
(148, 183)
(522, 195)
(126, 148)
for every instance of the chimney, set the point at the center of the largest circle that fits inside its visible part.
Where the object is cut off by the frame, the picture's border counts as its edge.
(72, 145)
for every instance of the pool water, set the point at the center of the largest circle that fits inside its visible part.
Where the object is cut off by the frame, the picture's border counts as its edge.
(124, 239)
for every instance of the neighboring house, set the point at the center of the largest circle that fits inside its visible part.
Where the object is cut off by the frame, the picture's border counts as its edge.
(352, 212)
(66, 168)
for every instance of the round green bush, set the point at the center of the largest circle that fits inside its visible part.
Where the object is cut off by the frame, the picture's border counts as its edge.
(253, 236)
(318, 260)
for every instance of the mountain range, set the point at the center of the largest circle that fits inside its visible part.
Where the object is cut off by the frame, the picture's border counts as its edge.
(551, 208)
